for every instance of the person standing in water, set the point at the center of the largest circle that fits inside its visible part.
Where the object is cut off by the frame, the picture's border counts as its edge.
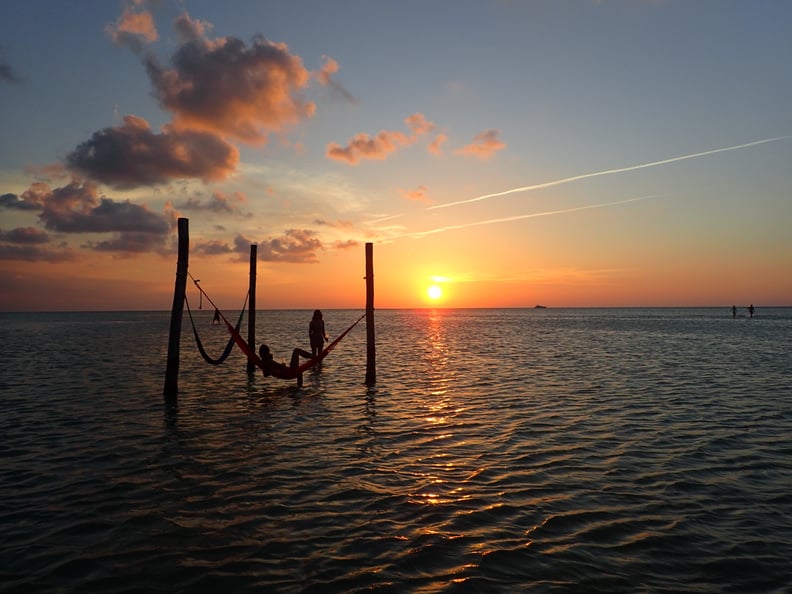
(316, 333)
(751, 310)
(734, 311)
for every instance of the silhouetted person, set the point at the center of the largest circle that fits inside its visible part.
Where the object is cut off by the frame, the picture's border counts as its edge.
(734, 311)
(316, 333)
(750, 310)
(271, 365)
(216, 319)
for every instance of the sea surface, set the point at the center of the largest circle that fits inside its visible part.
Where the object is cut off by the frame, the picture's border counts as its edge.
(555, 450)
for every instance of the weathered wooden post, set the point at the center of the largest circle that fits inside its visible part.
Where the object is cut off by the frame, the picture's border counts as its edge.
(172, 369)
(371, 366)
(251, 367)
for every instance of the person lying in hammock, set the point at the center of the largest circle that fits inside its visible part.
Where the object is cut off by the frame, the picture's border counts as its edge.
(279, 369)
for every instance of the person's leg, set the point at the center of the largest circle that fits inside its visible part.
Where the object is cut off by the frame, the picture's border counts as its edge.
(296, 354)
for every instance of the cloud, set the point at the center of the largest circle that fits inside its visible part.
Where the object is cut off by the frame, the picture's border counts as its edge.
(436, 146)
(334, 224)
(34, 253)
(417, 195)
(132, 155)
(345, 245)
(28, 244)
(419, 125)
(24, 235)
(362, 146)
(7, 74)
(189, 29)
(14, 202)
(130, 242)
(219, 202)
(298, 246)
(484, 145)
(324, 76)
(134, 28)
(78, 208)
(213, 248)
(229, 88)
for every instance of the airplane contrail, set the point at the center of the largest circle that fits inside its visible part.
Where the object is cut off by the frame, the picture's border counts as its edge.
(567, 180)
(529, 216)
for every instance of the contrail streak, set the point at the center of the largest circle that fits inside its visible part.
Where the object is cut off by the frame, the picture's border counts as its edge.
(527, 216)
(566, 180)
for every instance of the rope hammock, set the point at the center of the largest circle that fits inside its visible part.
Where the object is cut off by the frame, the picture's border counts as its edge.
(288, 372)
(275, 371)
(229, 346)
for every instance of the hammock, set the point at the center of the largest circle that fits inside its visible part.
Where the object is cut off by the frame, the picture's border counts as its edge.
(289, 372)
(229, 346)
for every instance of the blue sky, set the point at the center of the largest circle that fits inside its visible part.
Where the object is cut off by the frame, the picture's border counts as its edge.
(502, 95)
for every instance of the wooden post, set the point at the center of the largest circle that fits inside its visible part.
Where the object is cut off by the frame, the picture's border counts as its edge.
(172, 370)
(251, 367)
(371, 366)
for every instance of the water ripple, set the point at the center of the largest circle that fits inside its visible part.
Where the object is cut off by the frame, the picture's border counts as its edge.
(596, 451)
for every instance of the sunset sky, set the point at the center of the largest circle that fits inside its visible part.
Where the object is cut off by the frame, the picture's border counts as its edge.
(507, 152)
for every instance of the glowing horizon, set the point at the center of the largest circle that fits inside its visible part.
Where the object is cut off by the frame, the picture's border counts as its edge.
(262, 128)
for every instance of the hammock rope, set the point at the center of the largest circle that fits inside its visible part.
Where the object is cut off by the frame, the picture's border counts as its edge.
(250, 353)
(229, 345)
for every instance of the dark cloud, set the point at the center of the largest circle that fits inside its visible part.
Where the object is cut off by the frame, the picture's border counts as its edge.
(34, 253)
(132, 155)
(130, 243)
(219, 202)
(14, 202)
(225, 86)
(295, 245)
(212, 248)
(242, 246)
(24, 235)
(325, 78)
(77, 208)
(8, 75)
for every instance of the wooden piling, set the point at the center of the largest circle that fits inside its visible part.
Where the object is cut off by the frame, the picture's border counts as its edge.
(172, 369)
(371, 366)
(251, 367)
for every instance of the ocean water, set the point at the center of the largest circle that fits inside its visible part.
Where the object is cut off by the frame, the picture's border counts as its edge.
(557, 450)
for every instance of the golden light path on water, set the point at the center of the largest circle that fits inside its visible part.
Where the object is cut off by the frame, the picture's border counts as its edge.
(500, 450)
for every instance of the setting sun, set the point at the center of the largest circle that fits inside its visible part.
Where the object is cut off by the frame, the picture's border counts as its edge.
(434, 292)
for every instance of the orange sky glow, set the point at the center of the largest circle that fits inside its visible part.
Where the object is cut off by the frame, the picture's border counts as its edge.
(512, 172)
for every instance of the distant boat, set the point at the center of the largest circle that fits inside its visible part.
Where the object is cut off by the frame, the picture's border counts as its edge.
(539, 307)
